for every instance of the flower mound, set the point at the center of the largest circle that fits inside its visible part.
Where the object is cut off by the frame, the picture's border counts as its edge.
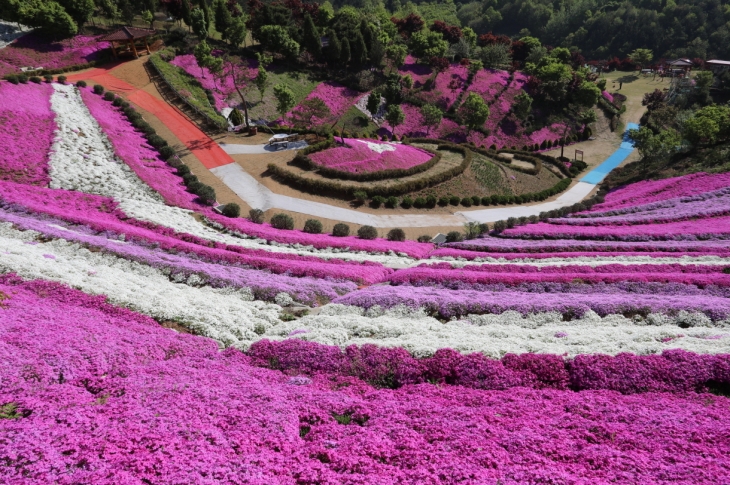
(35, 50)
(366, 156)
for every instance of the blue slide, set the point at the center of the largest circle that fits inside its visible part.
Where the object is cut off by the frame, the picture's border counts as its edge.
(596, 175)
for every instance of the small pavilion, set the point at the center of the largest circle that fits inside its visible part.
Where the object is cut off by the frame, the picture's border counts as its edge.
(129, 36)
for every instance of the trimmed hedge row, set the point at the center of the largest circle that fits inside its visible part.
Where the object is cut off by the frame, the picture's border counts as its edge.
(75, 67)
(343, 190)
(205, 193)
(304, 161)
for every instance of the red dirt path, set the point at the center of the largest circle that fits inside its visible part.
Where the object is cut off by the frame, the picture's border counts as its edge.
(202, 146)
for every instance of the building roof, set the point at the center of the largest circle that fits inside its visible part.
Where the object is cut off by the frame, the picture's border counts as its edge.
(128, 33)
(438, 239)
(680, 62)
(718, 62)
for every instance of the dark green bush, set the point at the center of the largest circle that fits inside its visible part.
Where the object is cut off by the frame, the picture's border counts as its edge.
(483, 228)
(419, 203)
(431, 201)
(48, 78)
(98, 89)
(500, 226)
(533, 219)
(183, 170)
(511, 222)
(424, 238)
(22, 78)
(396, 234)
(454, 236)
(454, 200)
(313, 226)
(407, 202)
(391, 202)
(341, 230)
(117, 101)
(156, 141)
(206, 194)
(231, 210)
(444, 201)
(35, 79)
(256, 216)
(108, 96)
(166, 151)
(466, 201)
(12, 78)
(367, 232)
(194, 186)
(81, 84)
(61, 79)
(361, 196)
(377, 201)
(282, 221)
(486, 200)
(476, 200)
(522, 220)
(189, 178)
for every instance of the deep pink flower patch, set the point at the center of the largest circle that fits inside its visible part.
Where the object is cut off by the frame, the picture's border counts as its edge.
(36, 50)
(27, 132)
(365, 156)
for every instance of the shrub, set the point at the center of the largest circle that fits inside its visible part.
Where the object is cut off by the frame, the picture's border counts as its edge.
(518, 199)
(35, 79)
(166, 151)
(500, 226)
(189, 178)
(12, 78)
(431, 201)
(80, 84)
(483, 228)
(231, 210)
(391, 202)
(61, 79)
(182, 170)
(476, 200)
(419, 203)
(341, 230)
(256, 216)
(533, 219)
(367, 232)
(377, 201)
(466, 201)
(486, 200)
(522, 220)
(22, 78)
(361, 196)
(444, 201)
(313, 226)
(98, 89)
(194, 186)
(117, 101)
(471, 230)
(407, 202)
(424, 238)
(454, 200)
(108, 96)
(454, 236)
(396, 234)
(511, 221)
(206, 194)
(282, 221)
(156, 141)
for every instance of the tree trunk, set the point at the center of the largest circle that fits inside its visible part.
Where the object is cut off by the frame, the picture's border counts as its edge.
(245, 105)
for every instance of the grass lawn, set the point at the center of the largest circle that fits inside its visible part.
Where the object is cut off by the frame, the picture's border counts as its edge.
(301, 83)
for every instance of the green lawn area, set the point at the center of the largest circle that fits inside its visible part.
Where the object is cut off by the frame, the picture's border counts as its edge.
(188, 87)
(301, 84)
(489, 175)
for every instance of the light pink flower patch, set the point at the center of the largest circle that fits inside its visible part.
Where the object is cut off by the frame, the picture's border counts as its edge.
(337, 97)
(363, 156)
(36, 50)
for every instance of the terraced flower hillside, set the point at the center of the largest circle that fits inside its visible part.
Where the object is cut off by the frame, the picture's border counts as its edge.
(146, 338)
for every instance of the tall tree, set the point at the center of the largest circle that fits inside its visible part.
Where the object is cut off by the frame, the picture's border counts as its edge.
(474, 111)
(239, 75)
(395, 117)
(642, 57)
(310, 36)
(309, 110)
(202, 54)
(222, 17)
(345, 52)
(373, 103)
(431, 116)
(285, 100)
(236, 32)
(359, 52)
(334, 49)
(187, 10)
(197, 17)
(79, 10)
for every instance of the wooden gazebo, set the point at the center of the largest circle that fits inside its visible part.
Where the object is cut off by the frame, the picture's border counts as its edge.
(129, 36)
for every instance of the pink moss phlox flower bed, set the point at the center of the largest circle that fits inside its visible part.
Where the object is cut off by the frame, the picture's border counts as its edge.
(419, 72)
(98, 394)
(367, 156)
(338, 99)
(36, 50)
(100, 214)
(223, 89)
(448, 86)
(607, 96)
(27, 132)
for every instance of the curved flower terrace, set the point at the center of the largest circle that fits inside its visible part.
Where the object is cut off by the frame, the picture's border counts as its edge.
(367, 156)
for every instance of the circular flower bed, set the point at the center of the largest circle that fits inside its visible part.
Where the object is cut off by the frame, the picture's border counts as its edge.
(368, 156)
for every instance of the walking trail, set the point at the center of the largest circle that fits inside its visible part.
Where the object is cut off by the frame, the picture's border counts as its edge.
(216, 159)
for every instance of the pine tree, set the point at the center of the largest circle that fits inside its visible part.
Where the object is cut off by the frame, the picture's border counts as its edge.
(223, 17)
(345, 52)
(334, 50)
(311, 37)
(367, 34)
(359, 52)
(186, 11)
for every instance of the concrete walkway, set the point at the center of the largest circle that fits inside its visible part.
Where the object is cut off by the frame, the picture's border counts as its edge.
(236, 149)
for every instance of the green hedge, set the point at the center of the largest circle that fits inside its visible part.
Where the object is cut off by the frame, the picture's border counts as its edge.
(344, 190)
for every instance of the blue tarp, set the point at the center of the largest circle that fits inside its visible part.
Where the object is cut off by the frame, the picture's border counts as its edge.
(596, 175)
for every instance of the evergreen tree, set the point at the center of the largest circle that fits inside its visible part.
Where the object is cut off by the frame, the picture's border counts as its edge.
(345, 52)
(376, 53)
(334, 49)
(311, 37)
(223, 17)
(359, 52)
(197, 17)
(186, 11)
(367, 34)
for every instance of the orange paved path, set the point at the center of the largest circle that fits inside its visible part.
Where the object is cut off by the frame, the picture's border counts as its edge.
(202, 146)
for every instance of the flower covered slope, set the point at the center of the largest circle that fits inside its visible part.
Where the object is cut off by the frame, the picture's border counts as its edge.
(35, 50)
(592, 348)
(366, 156)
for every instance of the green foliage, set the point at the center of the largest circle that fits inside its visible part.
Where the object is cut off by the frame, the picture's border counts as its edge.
(222, 17)
(495, 56)
(256, 216)
(522, 105)
(587, 94)
(236, 118)
(395, 116)
(285, 100)
(373, 102)
(642, 57)
(396, 55)
(345, 52)
(367, 232)
(236, 32)
(313, 226)
(282, 221)
(310, 36)
(199, 23)
(334, 49)
(9, 411)
(424, 238)
(276, 39)
(431, 116)
(231, 210)
(472, 230)
(396, 234)
(49, 16)
(708, 125)
(341, 230)
(474, 111)
(454, 236)
(308, 110)
(426, 44)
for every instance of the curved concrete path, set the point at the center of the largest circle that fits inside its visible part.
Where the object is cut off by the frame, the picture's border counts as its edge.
(238, 149)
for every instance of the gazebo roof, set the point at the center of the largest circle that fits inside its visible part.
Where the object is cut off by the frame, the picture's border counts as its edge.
(128, 33)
